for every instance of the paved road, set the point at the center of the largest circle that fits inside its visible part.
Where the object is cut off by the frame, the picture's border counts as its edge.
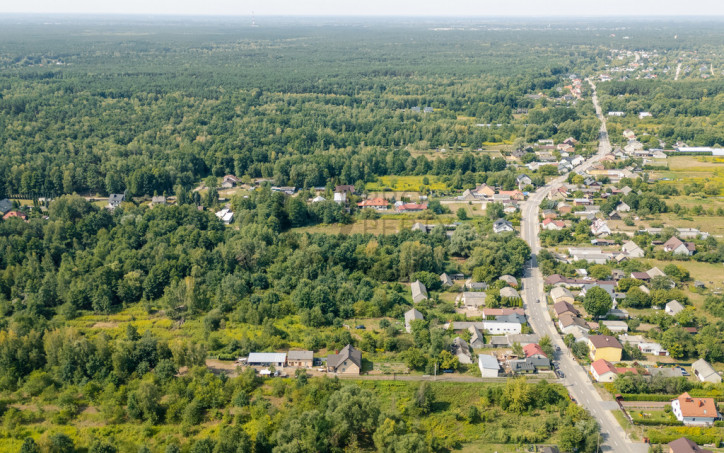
(613, 437)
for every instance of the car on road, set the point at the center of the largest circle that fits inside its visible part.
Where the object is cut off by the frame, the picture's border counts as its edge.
(560, 374)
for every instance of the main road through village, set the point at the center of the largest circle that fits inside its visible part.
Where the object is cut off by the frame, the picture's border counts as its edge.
(613, 437)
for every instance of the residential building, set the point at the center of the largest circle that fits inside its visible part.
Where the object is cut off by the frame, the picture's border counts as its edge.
(679, 247)
(560, 294)
(534, 350)
(5, 206)
(574, 325)
(623, 207)
(604, 347)
(158, 200)
(616, 326)
(632, 249)
(603, 371)
(348, 361)
(684, 445)
(473, 300)
(475, 286)
(461, 350)
(600, 228)
(265, 359)
(523, 180)
(411, 207)
(114, 200)
(484, 190)
(509, 279)
(695, 411)
(653, 348)
(477, 340)
(705, 372)
(553, 225)
(301, 359)
(226, 215)
(673, 308)
(502, 327)
(340, 197)
(345, 188)
(446, 280)
(318, 199)
(16, 214)
(502, 226)
(509, 293)
(419, 292)
(378, 204)
(489, 366)
(410, 316)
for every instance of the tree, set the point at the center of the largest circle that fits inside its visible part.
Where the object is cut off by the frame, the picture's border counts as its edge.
(353, 414)
(424, 398)
(29, 446)
(495, 211)
(597, 301)
(462, 214)
(547, 346)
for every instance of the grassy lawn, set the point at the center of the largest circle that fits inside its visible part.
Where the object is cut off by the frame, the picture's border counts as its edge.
(405, 183)
(688, 169)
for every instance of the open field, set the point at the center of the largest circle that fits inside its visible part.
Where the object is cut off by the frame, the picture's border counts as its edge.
(689, 169)
(405, 183)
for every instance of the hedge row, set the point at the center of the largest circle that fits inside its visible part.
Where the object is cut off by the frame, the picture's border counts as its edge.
(697, 434)
(663, 397)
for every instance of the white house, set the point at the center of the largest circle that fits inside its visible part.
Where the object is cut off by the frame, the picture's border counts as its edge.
(616, 326)
(695, 411)
(502, 327)
(489, 366)
(600, 228)
(603, 371)
(653, 348)
(502, 226)
(623, 207)
(679, 247)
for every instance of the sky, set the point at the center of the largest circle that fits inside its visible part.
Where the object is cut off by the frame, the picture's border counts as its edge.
(435, 8)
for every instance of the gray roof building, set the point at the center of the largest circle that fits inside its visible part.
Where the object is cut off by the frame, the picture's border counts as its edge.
(419, 292)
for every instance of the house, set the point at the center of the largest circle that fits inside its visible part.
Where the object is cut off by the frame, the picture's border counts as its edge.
(473, 300)
(564, 308)
(603, 371)
(5, 205)
(114, 200)
(523, 180)
(225, 215)
(475, 286)
(632, 249)
(521, 366)
(560, 294)
(345, 189)
(673, 308)
(158, 200)
(564, 208)
(411, 207)
(655, 272)
(643, 276)
(653, 348)
(705, 372)
(489, 366)
(509, 293)
(604, 347)
(496, 327)
(16, 214)
(378, 204)
(534, 350)
(616, 326)
(461, 350)
(318, 199)
(348, 361)
(516, 195)
(574, 325)
(558, 193)
(502, 226)
(495, 313)
(694, 411)
(287, 190)
(477, 340)
(623, 207)
(302, 359)
(266, 359)
(484, 190)
(616, 113)
(678, 247)
(509, 279)
(340, 197)
(419, 292)
(446, 280)
(600, 228)
(553, 225)
(412, 315)
(684, 445)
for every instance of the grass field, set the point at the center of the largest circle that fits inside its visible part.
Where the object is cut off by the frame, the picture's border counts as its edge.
(405, 183)
(688, 169)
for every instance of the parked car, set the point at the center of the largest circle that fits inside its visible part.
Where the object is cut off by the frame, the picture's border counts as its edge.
(360, 327)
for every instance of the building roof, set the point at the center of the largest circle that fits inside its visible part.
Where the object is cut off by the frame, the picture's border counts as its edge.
(602, 366)
(412, 315)
(533, 349)
(419, 292)
(373, 203)
(446, 280)
(474, 298)
(509, 292)
(509, 279)
(684, 445)
(674, 306)
(564, 307)
(604, 341)
(5, 205)
(705, 372)
(488, 362)
(349, 352)
(673, 243)
(300, 355)
(267, 357)
(559, 291)
(697, 407)
(567, 320)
